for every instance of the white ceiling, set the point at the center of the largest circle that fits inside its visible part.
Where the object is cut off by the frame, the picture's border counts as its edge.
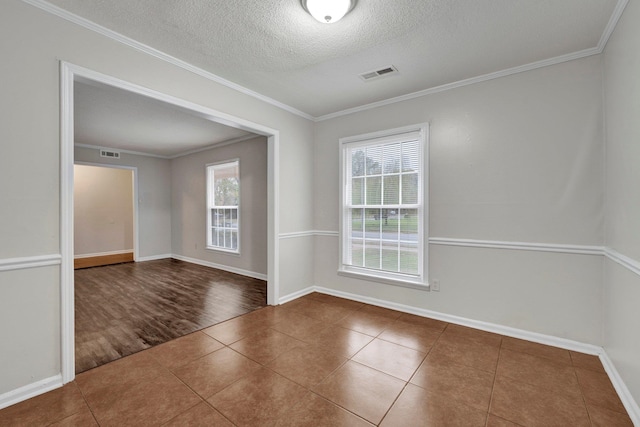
(106, 116)
(275, 48)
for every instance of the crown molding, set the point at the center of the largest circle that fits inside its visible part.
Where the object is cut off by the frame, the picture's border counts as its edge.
(83, 22)
(610, 27)
(466, 82)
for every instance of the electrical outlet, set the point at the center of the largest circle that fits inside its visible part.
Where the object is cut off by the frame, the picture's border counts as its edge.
(435, 285)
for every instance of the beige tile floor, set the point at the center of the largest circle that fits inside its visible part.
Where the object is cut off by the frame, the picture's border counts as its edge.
(326, 361)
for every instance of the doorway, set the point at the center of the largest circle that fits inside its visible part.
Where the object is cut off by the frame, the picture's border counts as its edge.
(70, 74)
(105, 215)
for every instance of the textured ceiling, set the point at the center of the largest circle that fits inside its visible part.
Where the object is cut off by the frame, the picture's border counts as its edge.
(275, 48)
(105, 116)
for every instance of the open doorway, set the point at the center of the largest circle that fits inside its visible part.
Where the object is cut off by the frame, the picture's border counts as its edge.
(70, 75)
(105, 219)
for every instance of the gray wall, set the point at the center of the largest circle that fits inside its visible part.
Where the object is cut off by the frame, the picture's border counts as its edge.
(189, 205)
(622, 116)
(515, 159)
(102, 210)
(154, 197)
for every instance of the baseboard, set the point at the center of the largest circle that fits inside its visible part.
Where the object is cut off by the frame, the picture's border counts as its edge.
(30, 390)
(285, 299)
(154, 257)
(623, 392)
(85, 261)
(235, 270)
(476, 324)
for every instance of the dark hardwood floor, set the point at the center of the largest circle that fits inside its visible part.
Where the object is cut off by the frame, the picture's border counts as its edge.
(125, 308)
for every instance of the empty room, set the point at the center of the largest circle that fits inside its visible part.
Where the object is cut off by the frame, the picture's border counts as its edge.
(445, 217)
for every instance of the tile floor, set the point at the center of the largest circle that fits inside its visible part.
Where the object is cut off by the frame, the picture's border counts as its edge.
(326, 361)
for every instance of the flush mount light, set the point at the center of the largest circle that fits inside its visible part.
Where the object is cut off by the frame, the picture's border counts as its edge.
(328, 11)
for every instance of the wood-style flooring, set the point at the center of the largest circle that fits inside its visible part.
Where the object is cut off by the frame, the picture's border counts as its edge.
(125, 308)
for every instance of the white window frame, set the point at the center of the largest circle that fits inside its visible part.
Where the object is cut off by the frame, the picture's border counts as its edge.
(210, 176)
(419, 281)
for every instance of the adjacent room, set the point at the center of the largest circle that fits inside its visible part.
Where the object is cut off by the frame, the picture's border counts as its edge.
(126, 194)
(434, 203)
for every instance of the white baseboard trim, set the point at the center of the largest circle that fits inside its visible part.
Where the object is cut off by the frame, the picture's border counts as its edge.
(9, 264)
(125, 251)
(30, 390)
(154, 257)
(476, 324)
(296, 295)
(235, 270)
(625, 395)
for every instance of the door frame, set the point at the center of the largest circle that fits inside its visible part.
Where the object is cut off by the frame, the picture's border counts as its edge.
(70, 73)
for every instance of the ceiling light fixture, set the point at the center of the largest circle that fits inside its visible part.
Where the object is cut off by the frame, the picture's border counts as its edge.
(328, 11)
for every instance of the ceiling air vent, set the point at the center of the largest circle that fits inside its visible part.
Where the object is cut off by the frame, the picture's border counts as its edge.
(110, 154)
(383, 72)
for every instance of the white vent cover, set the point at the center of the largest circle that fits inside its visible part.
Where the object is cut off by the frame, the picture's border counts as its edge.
(382, 72)
(110, 154)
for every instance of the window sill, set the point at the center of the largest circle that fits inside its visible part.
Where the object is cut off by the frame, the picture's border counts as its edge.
(224, 251)
(408, 283)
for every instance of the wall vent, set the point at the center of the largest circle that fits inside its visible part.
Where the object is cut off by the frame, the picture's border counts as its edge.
(382, 72)
(110, 154)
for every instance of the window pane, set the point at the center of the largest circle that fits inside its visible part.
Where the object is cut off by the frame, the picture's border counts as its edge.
(357, 162)
(357, 252)
(381, 221)
(223, 197)
(374, 190)
(391, 158)
(390, 256)
(409, 258)
(391, 189)
(357, 191)
(410, 186)
(372, 222)
(214, 237)
(410, 156)
(389, 224)
(409, 225)
(214, 217)
(372, 254)
(374, 160)
(356, 222)
(234, 218)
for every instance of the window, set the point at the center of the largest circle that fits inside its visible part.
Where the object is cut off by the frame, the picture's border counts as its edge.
(383, 225)
(223, 200)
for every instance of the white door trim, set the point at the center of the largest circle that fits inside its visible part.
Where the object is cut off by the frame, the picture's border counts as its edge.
(70, 73)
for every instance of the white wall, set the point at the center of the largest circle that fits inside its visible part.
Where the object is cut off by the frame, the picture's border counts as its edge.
(189, 205)
(102, 210)
(622, 117)
(30, 175)
(154, 197)
(515, 159)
